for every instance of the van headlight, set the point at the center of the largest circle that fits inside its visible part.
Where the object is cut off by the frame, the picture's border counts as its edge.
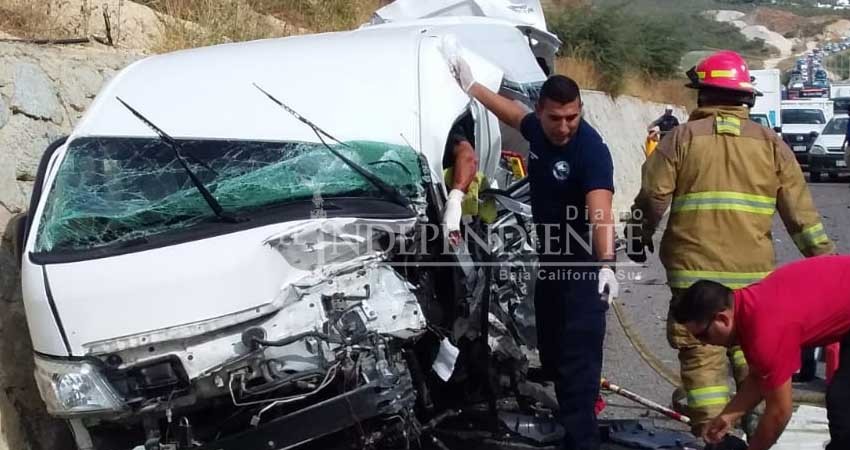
(71, 388)
(818, 150)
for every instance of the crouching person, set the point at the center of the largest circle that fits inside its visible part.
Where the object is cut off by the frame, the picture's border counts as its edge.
(803, 304)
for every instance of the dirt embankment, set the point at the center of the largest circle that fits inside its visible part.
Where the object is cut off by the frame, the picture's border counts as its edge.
(792, 25)
(789, 33)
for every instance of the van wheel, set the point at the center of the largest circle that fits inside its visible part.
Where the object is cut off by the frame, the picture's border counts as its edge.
(814, 177)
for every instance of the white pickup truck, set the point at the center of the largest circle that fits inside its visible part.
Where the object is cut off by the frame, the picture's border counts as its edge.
(802, 122)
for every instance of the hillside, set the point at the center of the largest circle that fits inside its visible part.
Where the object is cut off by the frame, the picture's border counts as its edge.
(642, 47)
(165, 25)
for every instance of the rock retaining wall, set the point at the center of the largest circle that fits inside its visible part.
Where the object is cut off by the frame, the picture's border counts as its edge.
(43, 92)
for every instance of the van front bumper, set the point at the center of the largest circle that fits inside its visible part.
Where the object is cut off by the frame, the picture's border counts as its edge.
(382, 398)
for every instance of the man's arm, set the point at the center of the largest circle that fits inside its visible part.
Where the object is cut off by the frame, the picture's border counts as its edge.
(654, 123)
(659, 174)
(599, 205)
(465, 165)
(504, 108)
(746, 399)
(796, 208)
(777, 412)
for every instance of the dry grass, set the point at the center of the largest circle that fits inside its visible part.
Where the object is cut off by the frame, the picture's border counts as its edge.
(198, 23)
(662, 91)
(581, 70)
(320, 15)
(670, 91)
(40, 19)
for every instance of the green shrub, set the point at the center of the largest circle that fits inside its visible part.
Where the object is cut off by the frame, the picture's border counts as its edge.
(619, 39)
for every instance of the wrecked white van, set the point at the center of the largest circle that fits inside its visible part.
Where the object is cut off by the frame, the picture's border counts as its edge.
(230, 250)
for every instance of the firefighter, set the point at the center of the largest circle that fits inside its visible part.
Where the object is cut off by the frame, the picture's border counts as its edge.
(724, 177)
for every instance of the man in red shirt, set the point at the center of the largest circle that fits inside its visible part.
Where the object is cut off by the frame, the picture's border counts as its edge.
(802, 304)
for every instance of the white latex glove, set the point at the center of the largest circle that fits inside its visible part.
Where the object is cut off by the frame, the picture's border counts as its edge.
(608, 279)
(453, 54)
(452, 214)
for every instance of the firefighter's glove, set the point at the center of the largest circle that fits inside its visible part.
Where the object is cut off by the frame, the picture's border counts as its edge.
(453, 54)
(452, 215)
(609, 287)
(637, 243)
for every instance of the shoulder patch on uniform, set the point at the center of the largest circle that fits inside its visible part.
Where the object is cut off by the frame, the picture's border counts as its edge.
(730, 125)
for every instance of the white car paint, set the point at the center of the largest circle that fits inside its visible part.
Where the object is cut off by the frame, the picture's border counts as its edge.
(381, 83)
(528, 12)
(810, 104)
(768, 82)
(832, 142)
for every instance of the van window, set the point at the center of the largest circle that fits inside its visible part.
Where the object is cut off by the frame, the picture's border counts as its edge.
(464, 127)
(760, 119)
(803, 116)
(109, 191)
(527, 94)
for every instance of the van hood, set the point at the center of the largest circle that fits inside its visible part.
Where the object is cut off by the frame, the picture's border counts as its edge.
(191, 289)
(831, 142)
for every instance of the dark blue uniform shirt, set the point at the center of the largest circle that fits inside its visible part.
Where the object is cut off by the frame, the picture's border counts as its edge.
(560, 177)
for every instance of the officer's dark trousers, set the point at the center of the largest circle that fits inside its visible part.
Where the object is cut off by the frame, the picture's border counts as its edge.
(571, 330)
(838, 401)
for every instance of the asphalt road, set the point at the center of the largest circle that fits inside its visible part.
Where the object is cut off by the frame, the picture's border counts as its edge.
(644, 306)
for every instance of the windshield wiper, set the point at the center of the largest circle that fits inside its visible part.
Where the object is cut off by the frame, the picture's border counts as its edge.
(214, 205)
(390, 191)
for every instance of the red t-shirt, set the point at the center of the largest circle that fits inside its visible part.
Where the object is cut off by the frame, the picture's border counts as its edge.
(802, 304)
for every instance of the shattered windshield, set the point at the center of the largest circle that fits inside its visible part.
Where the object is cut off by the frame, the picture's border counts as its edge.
(111, 191)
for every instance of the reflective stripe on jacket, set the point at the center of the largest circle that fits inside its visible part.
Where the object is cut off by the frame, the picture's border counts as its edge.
(723, 178)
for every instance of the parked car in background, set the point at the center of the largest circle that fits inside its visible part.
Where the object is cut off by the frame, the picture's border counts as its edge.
(802, 122)
(760, 119)
(827, 154)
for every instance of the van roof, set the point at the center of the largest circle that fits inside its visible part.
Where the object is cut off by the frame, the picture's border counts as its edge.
(361, 84)
(208, 92)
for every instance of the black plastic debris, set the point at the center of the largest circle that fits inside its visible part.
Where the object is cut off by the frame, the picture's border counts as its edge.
(637, 435)
(634, 434)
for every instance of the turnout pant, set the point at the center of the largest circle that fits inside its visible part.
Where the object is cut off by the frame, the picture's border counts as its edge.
(571, 330)
(705, 371)
(838, 401)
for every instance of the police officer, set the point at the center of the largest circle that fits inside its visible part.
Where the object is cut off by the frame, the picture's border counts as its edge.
(571, 177)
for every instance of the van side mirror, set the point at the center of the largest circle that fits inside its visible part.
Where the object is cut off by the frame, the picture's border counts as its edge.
(813, 134)
(777, 129)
